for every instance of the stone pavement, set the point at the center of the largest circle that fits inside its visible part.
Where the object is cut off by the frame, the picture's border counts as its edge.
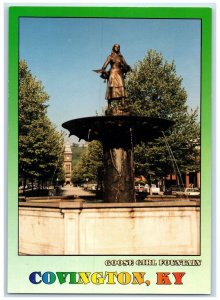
(69, 190)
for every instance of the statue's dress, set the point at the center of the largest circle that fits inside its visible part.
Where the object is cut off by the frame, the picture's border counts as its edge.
(116, 84)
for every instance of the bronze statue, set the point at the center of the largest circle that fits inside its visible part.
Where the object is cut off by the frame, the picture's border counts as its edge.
(115, 76)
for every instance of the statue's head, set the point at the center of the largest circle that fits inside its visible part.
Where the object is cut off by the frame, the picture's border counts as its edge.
(116, 48)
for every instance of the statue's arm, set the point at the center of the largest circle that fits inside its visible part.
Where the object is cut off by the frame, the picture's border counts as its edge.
(106, 62)
(126, 66)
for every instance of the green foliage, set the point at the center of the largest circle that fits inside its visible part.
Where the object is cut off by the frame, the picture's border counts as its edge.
(40, 145)
(77, 153)
(155, 90)
(90, 165)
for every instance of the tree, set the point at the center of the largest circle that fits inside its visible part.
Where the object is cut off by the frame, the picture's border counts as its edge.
(90, 166)
(155, 90)
(40, 145)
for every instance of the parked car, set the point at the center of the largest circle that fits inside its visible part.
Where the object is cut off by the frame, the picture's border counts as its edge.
(139, 188)
(155, 190)
(172, 190)
(140, 192)
(192, 192)
(21, 187)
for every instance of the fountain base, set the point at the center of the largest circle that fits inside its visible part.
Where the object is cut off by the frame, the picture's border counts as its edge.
(110, 229)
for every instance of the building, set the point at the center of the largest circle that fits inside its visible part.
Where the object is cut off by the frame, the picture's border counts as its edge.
(68, 155)
(190, 179)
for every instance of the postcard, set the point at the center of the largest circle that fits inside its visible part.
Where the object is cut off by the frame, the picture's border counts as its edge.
(109, 156)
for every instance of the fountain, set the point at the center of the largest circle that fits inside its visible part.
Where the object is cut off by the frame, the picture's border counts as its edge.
(118, 226)
(118, 131)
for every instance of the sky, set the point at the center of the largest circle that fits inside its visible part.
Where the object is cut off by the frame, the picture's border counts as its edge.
(62, 52)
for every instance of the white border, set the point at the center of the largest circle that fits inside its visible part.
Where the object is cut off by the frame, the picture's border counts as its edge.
(216, 125)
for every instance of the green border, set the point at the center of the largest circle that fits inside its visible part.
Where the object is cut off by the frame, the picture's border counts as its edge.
(17, 282)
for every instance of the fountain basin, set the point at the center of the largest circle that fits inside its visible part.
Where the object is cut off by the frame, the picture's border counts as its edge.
(117, 131)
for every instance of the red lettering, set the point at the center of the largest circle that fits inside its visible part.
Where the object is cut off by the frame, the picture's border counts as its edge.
(178, 277)
(163, 278)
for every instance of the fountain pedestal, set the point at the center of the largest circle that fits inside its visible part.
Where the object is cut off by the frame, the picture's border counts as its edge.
(118, 175)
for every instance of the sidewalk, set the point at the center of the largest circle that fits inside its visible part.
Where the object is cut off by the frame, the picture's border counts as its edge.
(74, 191)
